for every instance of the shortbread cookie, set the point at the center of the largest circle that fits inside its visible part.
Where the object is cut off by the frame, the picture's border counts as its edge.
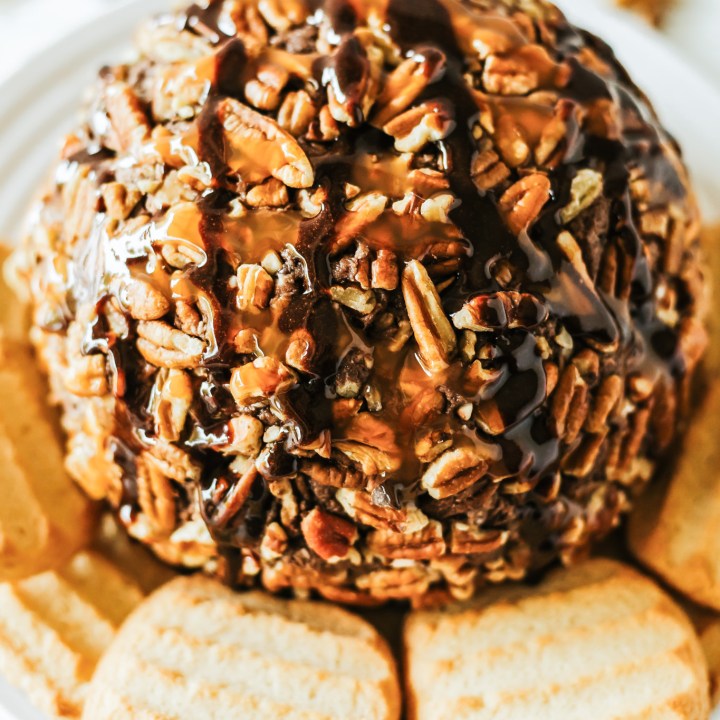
(710, 639)
(44, 518)
(55, 626)
(14, 313)
(674, 529)
(654, 11)
(599, 641)
(195, 649)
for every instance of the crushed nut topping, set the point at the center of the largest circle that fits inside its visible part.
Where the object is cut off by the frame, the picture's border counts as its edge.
(365, 305)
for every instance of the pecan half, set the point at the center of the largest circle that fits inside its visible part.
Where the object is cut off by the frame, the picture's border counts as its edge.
(258, 147)
(259, 379)
(606, 400)
(127, 118)
(361, 506)
(454, 471)
(396, 583)
(296, 113)
(145, 302)
(522, 202)
(570, 404)
(432, 329)
(428, 122)
(163, 346)
(329, 536)
(586, 188)
(171, 402)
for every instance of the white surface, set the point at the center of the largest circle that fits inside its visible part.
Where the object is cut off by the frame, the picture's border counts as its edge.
(692, 27)
(40, 95)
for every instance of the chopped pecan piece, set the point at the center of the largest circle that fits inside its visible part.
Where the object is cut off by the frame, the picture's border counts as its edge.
(586, 188)
(469, 540)
(164, 346)
(523, 201)
(264, 90)
(424, 544)
(300, 352)
(432, 329)
(361, 301)
(501, 311)
(488, 170)
(271, 193)
(406, 82)
(353, 373)
(245, 435)
(274, 542)
(385, 270)
(330, 536)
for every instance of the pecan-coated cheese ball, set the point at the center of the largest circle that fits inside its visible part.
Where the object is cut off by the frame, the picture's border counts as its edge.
(367, 297)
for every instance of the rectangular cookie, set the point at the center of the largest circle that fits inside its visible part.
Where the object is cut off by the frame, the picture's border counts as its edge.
(598, 641)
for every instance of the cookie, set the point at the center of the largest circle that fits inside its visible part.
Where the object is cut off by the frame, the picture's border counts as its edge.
(654, 11)
(44, 518)
(55, 626)
(710, 639)
(598, 641)
(14, 311)
(195, 649)
(673, 529)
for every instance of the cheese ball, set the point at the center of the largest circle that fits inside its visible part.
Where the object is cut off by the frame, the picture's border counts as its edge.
(367, 299)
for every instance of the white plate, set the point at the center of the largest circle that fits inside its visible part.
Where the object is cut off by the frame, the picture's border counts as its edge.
(40, 101)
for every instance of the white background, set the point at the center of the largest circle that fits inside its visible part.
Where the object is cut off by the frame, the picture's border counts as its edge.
(28, 25)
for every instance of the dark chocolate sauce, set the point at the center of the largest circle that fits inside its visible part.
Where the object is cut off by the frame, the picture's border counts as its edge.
(205, 19)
